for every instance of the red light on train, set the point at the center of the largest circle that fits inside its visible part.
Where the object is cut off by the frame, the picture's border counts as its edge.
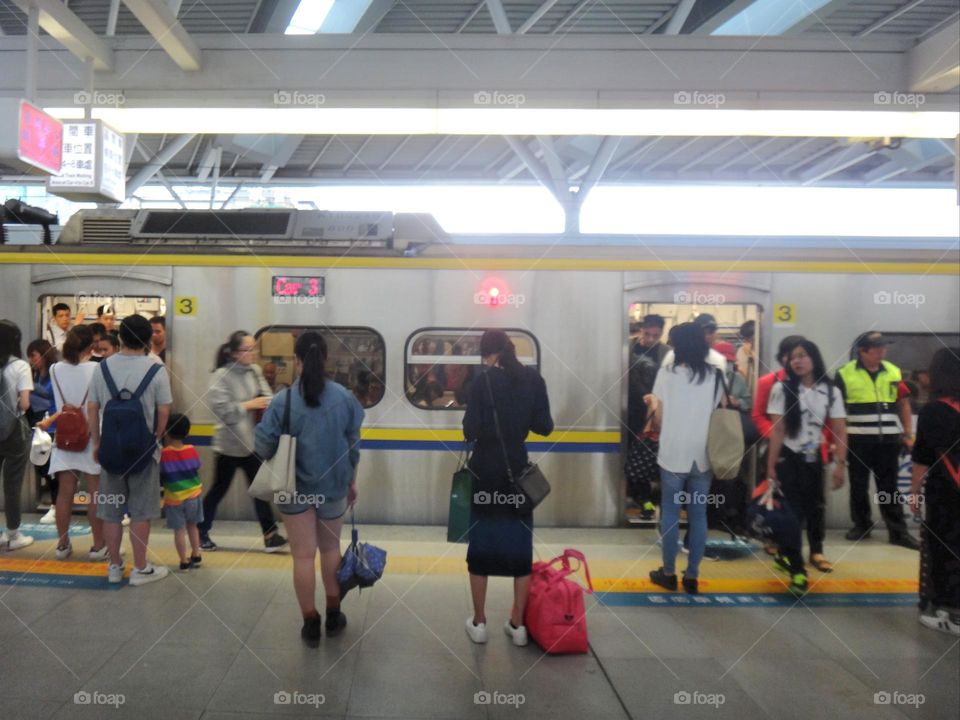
(493, 291)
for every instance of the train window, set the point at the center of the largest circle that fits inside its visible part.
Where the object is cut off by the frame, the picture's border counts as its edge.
(440, 364)
(356, 358)
(912, 353)
(88, 308)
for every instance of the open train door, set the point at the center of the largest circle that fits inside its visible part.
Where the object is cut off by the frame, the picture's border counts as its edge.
(734, 300)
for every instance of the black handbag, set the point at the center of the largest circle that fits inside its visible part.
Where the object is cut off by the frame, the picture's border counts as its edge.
(531, 482)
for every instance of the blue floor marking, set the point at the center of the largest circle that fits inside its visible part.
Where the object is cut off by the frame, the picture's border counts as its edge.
(627, 599)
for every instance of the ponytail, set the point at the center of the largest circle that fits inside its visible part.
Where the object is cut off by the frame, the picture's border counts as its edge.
(225, 352)
(311, 350)
(497, 342)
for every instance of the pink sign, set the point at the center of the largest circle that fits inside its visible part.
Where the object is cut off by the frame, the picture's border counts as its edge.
(40, 140)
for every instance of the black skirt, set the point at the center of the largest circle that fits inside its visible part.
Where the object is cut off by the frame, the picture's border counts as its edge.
(501, 544)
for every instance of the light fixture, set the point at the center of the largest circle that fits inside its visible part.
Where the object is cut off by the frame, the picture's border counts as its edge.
(526, 121)
(308, 17)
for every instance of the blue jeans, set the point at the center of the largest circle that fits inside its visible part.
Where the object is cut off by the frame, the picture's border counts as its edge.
(677, 489)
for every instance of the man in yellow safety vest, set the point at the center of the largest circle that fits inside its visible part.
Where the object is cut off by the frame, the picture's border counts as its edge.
(879, 422)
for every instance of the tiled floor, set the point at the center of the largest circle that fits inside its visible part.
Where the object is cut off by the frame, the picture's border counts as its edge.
(222, 643)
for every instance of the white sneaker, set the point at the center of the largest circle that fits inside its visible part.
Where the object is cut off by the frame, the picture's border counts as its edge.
(149, 574)
(115, 574)
(99, 555)
(63, 553)
(126, 521)
(940, 620)
(4, 540)
(477, 633)
(50, 518)
(518, 635)
(17, 540)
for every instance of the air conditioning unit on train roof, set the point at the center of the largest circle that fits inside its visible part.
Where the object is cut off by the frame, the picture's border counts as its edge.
(317, 229)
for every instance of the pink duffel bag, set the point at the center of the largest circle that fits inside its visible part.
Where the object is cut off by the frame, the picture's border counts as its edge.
(555, 615)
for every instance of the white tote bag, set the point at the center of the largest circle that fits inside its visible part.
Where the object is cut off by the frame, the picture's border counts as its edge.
(278, 475)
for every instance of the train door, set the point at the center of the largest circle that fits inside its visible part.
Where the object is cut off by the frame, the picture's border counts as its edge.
(64, 298)
(737, 337)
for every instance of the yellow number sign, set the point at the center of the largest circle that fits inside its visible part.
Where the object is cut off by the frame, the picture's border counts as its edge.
(185, 305)
(784, 314)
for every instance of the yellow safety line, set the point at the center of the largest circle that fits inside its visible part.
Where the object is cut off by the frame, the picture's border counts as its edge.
(526, 264)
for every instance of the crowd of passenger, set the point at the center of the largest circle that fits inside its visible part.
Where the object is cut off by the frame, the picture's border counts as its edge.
(105, 396)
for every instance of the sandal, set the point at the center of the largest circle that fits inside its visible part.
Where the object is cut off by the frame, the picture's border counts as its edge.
(821, 563)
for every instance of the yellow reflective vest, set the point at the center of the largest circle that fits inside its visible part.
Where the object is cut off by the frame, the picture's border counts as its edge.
(871, 403)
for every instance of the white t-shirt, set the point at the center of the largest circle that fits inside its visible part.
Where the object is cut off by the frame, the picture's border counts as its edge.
(714, 359)
(813, 415)
(17, 375)
(74, 380)
(687, 406)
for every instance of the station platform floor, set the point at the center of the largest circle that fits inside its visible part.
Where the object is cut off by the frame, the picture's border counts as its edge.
(222, 642)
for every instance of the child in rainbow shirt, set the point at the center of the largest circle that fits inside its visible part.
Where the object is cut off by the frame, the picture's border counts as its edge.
(180, 477)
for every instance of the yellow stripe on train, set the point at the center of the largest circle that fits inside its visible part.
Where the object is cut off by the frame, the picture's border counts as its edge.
(450, 435)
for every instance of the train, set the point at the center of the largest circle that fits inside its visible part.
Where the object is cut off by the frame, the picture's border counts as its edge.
(398, 298)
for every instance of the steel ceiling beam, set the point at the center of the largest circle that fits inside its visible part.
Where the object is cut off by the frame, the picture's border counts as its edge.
(355, 16)
(570, 15)
(473, 13)
(838, 162)
(889, 17)
(65, 27)
(911, 156)
(816, 12)
(542, 10)
(679, 17)
(157, 162)
(163, 25)
(934, 64)
(601, 161)
(499, 16)
(719, 18)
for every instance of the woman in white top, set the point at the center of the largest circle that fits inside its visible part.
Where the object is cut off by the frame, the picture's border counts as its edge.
(799, 407)
(685, 393)
(16, 382)
(71, 380)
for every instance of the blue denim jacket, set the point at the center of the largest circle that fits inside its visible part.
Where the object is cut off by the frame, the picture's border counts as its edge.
(328, 438)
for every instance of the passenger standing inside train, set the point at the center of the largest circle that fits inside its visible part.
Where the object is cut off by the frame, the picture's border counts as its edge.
(108, 345)
(158, 341)
(501, 532)
(238, 392)
(684, 396)
(645, 358)
(99, 331)
(106, 317)
(936, 470)
(71, 385)
(805, 402)
(879, 423)
(325, 418)
(42, 355)
(16, 382)
(134, 492)
(708, 326)
(59, 325)
(746, 354)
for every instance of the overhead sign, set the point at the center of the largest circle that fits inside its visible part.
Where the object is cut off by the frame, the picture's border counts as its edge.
(29, 138)
(93, 163)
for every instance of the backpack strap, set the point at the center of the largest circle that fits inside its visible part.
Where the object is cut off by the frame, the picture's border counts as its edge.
(64, 397)
(108, 378)
(146, 381)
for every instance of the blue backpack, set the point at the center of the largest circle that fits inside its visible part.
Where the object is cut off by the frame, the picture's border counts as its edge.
(126, 443)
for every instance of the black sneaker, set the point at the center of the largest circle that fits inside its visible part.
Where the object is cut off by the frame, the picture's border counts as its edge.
(857, 533)
(781, 563)
(336, 622)
(798, 585)
(274, 543)
(905, 540)
(184, 566)
(648, 511)
(658, 577)
(196, 561)
(310, 632)
(690, 585)
(207, 544)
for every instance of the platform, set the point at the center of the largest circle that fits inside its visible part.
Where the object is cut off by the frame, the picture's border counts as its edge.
(222, 642)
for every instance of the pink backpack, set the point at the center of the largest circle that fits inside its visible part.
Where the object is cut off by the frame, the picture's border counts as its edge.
(555, 616)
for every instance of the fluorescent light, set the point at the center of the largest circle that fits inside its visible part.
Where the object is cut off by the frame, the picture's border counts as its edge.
(309, 17)
(527, 121)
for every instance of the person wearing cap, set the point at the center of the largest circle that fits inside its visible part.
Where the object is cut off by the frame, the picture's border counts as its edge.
(736, 383)
(709, 324)
(645, 358)
(879, 421)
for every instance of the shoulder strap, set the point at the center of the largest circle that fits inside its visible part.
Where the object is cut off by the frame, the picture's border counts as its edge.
(146, 380)
(64, 397)
(951, 403)
(108, 378)
(496, 424)
(285, 430)
(721, 379)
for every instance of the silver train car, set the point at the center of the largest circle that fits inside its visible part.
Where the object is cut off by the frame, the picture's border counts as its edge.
(403, 306)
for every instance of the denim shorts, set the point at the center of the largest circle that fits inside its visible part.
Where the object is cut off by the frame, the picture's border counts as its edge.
(325, 508)
(189, 512)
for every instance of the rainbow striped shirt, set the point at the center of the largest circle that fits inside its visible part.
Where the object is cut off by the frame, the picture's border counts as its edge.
(180, 474)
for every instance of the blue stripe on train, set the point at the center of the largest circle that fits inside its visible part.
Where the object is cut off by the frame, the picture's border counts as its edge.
(455, 447)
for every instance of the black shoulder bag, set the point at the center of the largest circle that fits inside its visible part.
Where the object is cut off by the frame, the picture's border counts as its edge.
(531, 483)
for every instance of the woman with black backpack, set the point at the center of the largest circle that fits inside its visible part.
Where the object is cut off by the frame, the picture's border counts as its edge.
(16, 382)
(507, 402)
(72, 455)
